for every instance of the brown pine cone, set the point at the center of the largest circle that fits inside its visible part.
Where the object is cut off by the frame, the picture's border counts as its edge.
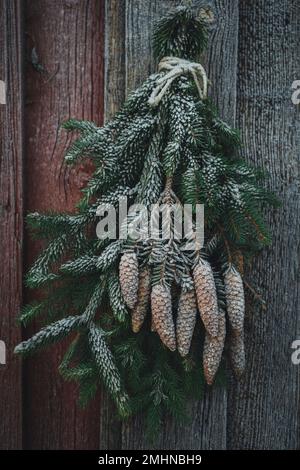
(186, 320)
(237, 354)
(235, 299)
(140, 310)
(129, 278)
(213, 349)
(161, 307)
(207, 296)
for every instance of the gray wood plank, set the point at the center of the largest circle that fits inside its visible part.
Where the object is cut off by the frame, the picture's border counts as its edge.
(114, 58)
(263, 410)
(11, 220)
(140, 19)
(208, 427)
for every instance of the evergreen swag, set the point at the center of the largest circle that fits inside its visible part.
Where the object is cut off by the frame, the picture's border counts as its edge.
(178, 149)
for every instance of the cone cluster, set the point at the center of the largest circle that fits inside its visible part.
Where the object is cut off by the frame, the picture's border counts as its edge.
(138, 294)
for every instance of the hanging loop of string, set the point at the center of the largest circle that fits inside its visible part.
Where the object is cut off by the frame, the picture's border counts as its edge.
(175, 68)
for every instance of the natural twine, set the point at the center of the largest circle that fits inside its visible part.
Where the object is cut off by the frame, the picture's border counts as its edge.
(177, 67)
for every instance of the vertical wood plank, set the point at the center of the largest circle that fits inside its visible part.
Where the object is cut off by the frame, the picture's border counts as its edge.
(264, 409)
(114, 85)
(65, 42)
(140, 19)
(208, 427)
(11, 220)
(114, 95)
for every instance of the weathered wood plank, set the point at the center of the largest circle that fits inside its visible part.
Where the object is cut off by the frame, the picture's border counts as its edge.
(208, 427)
(65, 39)
(114, 85)
(11, 220)
(264, 408)
(140, 19)
(114, 94)
(222, 56)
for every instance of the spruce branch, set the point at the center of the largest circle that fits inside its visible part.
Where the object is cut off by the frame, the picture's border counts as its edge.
(49, 334)
(79, 372)
(167, 145)
(94, 303)
(180, 34)
(108, 370)
(116, 298)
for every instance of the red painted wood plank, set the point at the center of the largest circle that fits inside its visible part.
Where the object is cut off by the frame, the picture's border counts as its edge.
(66, 40)
(11, 221)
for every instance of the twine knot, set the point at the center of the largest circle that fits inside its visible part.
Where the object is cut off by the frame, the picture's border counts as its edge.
(175, 68)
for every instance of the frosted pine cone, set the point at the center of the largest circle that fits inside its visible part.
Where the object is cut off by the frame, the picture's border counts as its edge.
(186, 319)
(235, 299)
(140, 310)
(213, 349)
(207, 296)
(161, 307)
(129, 278)
(237, 354)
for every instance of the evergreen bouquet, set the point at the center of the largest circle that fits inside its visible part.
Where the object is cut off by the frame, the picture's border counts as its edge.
(147, 317)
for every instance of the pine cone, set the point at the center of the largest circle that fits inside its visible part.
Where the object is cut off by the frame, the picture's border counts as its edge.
(237, 354)
(213, 349)
(161, 306)
(129, 278)
(207, 297)
(186, 319)
(140, 310)
(235, 299)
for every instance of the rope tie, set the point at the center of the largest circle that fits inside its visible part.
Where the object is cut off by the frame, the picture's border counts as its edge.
(175, 68)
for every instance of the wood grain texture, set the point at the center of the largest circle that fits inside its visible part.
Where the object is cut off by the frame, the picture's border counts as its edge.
(11, 220)
(114, 84)
(65, 39)
(264, 409)
(114, 95)
(208, 427)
